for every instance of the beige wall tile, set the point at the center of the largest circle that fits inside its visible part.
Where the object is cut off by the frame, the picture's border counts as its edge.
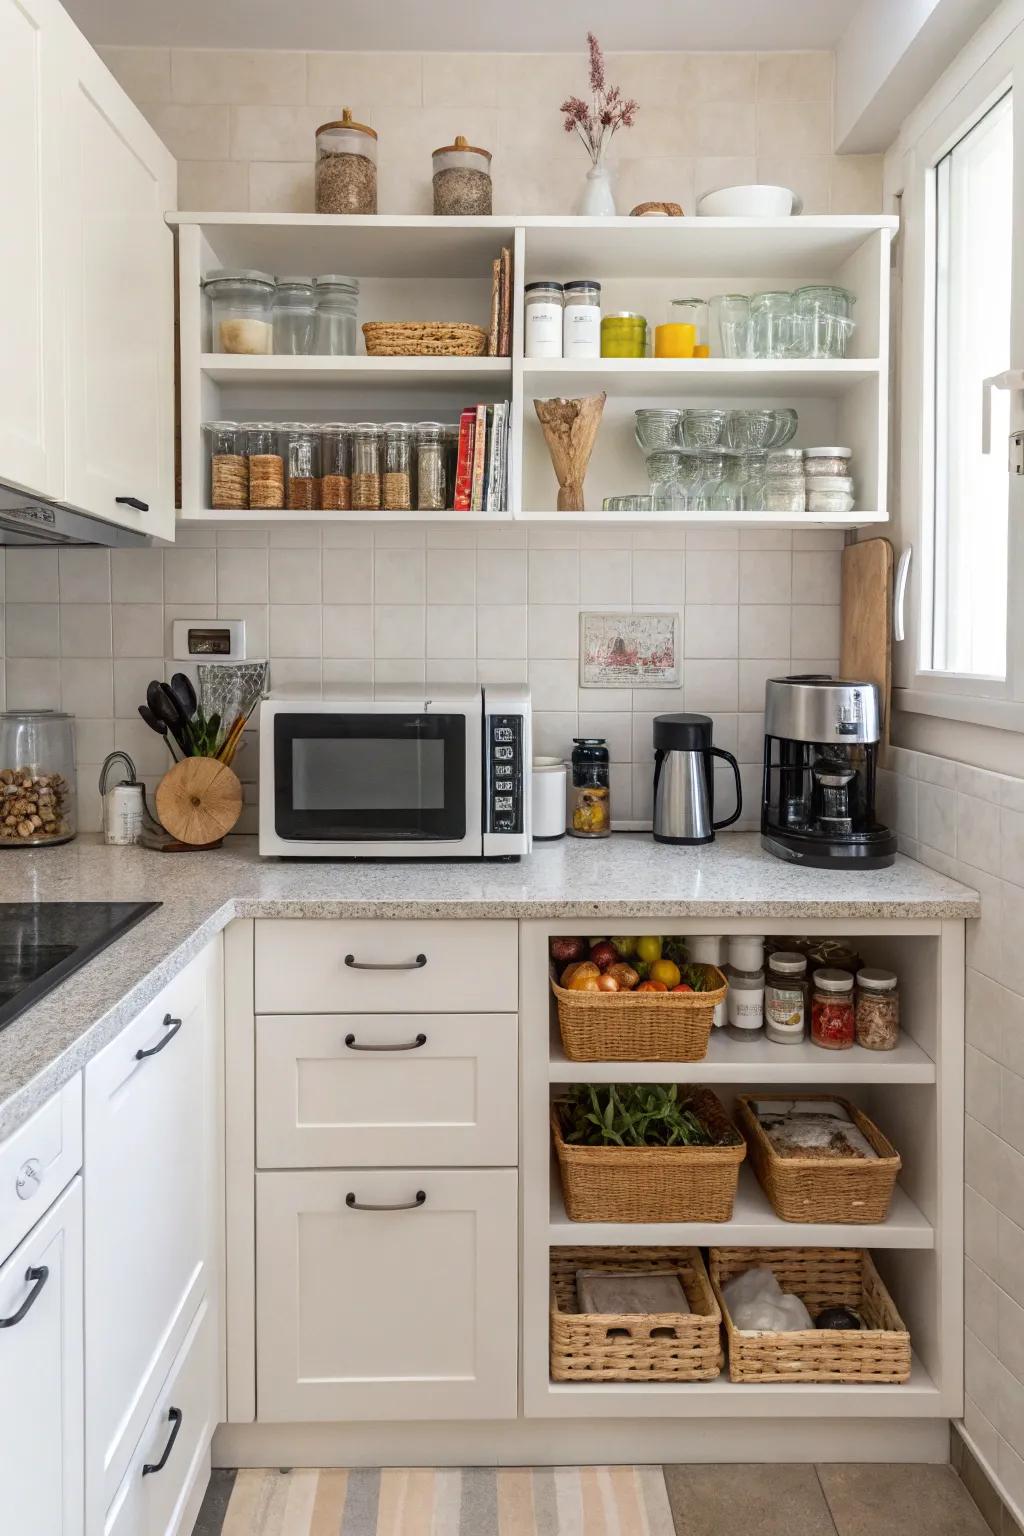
(539, 186)
(793, 128)
(794, 76)
(190, 133)
(235, 76)
(726, 128)
(281, 186)
(809, 176)
(145, 73)
(653, 79)
(208, 186)
(460, 80)
(720, 76)
(273, 133)
(856, 184)
(381, 79)
(404, 184)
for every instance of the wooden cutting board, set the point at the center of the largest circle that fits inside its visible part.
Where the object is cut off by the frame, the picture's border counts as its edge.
(865, 645)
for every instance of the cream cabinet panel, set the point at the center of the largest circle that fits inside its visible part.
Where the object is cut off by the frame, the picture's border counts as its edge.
(336, 1090)
(37, 1161)
(41, 1377)
(405, 1312)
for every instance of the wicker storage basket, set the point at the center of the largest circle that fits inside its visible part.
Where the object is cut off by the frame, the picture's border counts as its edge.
(653, 1183)
(848, 1189)
(662, 1346)
(645, 1026)
(877, 1354)
(419, 338)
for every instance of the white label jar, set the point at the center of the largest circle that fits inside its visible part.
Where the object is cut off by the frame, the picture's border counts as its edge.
(745, 999)
(543, 320)
(581, 320)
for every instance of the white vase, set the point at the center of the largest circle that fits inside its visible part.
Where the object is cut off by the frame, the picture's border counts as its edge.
(597, 200)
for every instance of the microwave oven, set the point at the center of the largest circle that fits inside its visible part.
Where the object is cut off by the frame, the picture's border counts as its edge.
(397, 773)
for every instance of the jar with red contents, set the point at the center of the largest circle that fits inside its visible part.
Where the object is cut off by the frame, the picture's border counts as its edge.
(833, 1017)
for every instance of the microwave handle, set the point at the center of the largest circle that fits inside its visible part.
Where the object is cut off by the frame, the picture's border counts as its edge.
(392, 965)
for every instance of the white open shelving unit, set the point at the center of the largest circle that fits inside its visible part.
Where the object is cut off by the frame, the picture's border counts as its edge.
(422, 268)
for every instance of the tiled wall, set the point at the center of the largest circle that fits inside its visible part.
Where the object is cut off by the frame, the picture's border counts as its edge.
(241, 124)
(970, 824)
(87, 629)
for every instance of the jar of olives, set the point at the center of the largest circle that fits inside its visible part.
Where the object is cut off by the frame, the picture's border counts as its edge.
(590, 806)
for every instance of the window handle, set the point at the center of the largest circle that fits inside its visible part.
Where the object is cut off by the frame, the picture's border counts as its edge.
(1012, 379)
(899, 594)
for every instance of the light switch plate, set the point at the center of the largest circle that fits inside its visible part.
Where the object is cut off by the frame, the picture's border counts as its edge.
(209, 639)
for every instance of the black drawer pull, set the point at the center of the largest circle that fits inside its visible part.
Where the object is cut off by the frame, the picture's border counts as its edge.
(399, 965)
(174, 1416)
(38, 1278)
(407, 1045)
(409, 1205)
(172, 1026)
(132, 501)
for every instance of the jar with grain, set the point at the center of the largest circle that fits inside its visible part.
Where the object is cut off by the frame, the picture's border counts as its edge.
(302, 466)
(366, 462)
(336, 466)
(878, 1009)
(346, 167)
(266, 465)
(396, 486)
(336, 314)
(240, 310)
(462, 179)
(294, 316)
(832, 1012)
(37, 778)
(229, 468)
(431, 479)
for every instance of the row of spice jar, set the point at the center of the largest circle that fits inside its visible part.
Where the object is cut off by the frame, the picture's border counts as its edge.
(565, 320)
(346, 172)
(358, 466)
(254, 313)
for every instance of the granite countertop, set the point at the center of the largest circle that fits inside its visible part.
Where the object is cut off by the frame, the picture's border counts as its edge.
(627, 876)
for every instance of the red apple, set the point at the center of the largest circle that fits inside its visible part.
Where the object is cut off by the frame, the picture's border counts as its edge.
(604, 954)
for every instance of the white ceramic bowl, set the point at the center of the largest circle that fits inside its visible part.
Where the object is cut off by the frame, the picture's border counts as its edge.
(754, 202)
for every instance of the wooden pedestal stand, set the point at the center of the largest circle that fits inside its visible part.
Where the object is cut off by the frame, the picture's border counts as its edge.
(570, 427)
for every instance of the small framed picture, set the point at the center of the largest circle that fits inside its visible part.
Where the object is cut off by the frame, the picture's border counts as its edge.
(629, 650)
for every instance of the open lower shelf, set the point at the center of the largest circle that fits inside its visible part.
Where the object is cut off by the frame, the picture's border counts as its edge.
(680, 377)
(754, 1224)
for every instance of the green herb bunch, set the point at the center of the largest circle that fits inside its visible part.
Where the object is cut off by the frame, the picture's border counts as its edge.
(631, 1115)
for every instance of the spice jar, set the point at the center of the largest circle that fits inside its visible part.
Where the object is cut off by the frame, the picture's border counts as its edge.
(336, 466)
(37, 778)
(240, 310)
(785, 489)
(366, 455)
(624, 334)
(396, 488)
(294, 315)
(543, 303)
(590, 811)
(878, 1009)
(581, 319)
(829, 493)
(266, 466)
(229, 470)
(336, 314)
(832, 1013)
(744, 1001)
(431, 477)
(346, 167)
(827, 461)
(462, 179)
(302, 462)
(786, 995)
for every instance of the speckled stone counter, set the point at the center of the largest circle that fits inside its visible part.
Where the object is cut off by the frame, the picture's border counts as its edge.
(627, 876)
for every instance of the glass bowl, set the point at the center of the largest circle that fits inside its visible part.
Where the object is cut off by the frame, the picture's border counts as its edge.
(664, 464)
(657, 428)
(634, 503)
(754, 431)
(699, 429)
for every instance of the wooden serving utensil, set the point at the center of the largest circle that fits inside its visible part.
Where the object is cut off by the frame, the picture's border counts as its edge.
(570, 427)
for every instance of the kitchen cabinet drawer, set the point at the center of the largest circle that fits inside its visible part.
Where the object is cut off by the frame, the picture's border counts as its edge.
(37, 1161)
(405, 1312)
(373, 966)
(338, 1090)
(158, 1496)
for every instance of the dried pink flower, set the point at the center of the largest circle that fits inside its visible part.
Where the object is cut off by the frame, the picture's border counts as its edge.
(598, 122)
(596, 64)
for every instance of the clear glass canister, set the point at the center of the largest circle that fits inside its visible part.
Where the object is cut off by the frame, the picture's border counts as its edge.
(786, 996)
(624, 335)
(337, 307)
(878, 1009)
(336, 466)
(785, 489)
(590, 810)
(302, 463)
(581, 319)
(771, 325)
(240, 310)
(37, 778)
(229, 467)
(396, 487)
(692, 312)
(431, 476)
(832, 1012)
(544, 305)
(366, 457)
(266, 464)
(462, 179)
(346, 167)
(294, 316)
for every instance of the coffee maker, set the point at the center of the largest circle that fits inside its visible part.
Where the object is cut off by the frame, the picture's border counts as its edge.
(820, 768)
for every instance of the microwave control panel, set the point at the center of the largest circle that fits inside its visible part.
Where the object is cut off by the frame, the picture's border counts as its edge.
(505, 761)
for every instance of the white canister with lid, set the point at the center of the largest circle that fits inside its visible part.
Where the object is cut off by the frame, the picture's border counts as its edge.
(709, 949)
(581, 319)
(548, 787)
(745, 1000)
(542, 319)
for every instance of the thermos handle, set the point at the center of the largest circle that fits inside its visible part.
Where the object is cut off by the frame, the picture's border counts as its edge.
(659, 758)
(728, 757)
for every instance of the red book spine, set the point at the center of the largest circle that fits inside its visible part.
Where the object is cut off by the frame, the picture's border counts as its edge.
(464, 465)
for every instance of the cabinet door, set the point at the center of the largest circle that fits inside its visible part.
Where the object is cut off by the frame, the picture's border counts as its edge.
(41, 1376)
(31, 254)
(406, 1310)
(119, 180)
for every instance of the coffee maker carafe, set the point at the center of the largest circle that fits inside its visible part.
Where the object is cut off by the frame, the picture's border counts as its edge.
(684, 780)
(820, 768)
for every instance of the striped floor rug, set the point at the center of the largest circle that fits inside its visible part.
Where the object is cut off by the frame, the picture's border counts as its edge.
(465, 1501)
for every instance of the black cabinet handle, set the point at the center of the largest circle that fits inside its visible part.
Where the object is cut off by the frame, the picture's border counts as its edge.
(175, 1417)
(132, 501)
(408, 1045)
(38, 1278)
(172, 1026)
(409, 1205)
(371, 965)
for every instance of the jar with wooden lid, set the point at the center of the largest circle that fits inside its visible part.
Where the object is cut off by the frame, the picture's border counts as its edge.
(462, 179)
(266, 465)
(302, 462)
(878, 1009)
(336, 466)
(229, 469)
(346, 166)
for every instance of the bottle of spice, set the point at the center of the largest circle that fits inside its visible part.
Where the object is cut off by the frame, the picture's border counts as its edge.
(581, 319)
(266, 466)
(542, 324)
(336, 466)
(878, 1009)
(590, 810)
(396, 489)
(745, 999)
(302, 464)
(708, 949)
(366, 486)
(462, 179)
(229, 469)
(346, 167)
(832, 1013)
(431, 481)
(785, 998)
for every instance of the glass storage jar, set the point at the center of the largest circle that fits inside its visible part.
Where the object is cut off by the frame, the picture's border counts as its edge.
(624, 334)
(786, 995)
(581, 319)
(590, 811)
(396, 486)
(744, 1002)
(366, 457)
(827, 461)
(302, 463)
(730, 323)
(692, 312)
(431, 477)
(229, 468)
(657, 427)
(771, 325)
(832, 1012)
(462, 179)
(878, 1009)
(240, 310)
(337, 300)
(785, 488)
(336, 466)
(346, 167)
(829, 493)
(37, 778)
(294, 316)
(266, 466)
(543, 315)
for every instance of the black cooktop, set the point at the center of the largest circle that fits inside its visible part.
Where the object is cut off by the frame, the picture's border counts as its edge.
(43, 942)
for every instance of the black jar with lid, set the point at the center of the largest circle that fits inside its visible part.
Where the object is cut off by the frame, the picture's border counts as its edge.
(590, 807)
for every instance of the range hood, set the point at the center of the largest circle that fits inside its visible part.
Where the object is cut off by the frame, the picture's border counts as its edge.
(27, 519)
